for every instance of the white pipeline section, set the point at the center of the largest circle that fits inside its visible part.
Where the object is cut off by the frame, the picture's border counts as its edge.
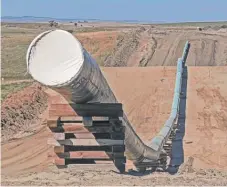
(57, 59)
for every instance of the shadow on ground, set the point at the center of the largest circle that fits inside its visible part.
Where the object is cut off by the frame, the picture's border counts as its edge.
(177, 154)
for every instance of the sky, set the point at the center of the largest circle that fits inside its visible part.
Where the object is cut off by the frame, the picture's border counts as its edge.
(141, 10)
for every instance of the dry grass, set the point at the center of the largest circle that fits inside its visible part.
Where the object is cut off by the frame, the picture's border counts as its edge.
(14, 47)
(15, 42)
(99, 44)
(192, 24)
(7, 89)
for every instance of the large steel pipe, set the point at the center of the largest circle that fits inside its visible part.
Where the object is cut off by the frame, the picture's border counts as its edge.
(57, 59)
(161, 138)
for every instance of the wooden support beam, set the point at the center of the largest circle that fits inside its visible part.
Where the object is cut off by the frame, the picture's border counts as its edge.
(63, 136)
(63, 162)
(59, 149)
(83, 155)
(80, 128)
(109, 149)
(103, 109)
(84, 142)
(56, 122)
(89, 135)
(53, 121)
(75, 119)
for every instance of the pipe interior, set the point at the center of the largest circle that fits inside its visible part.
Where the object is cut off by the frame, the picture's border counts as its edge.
(54, 58)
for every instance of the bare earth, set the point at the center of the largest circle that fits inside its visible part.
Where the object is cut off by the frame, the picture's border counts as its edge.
(163, 46)
(146, 94)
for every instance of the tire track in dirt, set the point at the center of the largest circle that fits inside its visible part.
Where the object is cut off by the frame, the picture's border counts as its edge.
(169, 57)
(199, 52)
(30, 152)
(147, 58)
(149, 48)
(213, 52)
(202, 52)
(208, 55)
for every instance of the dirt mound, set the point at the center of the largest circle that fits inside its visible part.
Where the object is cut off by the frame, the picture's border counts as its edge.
(163, 46)
(20, 109)
(126, 45)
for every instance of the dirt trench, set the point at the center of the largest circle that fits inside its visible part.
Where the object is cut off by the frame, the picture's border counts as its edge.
(163, 46)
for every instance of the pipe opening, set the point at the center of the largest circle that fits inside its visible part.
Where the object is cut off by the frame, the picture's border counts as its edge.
(55, 58)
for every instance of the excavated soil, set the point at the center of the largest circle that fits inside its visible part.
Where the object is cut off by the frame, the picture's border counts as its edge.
(20, 110)
(162, 46)
(146, 94)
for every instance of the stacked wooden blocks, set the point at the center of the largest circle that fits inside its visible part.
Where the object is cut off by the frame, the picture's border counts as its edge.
(87, 133)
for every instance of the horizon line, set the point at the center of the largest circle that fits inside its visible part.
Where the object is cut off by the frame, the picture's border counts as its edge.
(111, 20)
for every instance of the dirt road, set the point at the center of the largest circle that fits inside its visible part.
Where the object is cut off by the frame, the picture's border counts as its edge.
(147, 96)
(163, 46)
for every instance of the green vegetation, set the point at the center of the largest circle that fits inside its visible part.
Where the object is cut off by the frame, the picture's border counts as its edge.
(11, 88)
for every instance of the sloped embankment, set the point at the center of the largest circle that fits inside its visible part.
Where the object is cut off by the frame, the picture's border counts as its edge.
(21, 109)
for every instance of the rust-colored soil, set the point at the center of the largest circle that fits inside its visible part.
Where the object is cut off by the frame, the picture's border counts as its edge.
(163, 46)
(206, 117)
(147, 96)
(19, 110)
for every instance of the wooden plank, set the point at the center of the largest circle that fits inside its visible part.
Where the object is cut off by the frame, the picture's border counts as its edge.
(83, 155)
(71, 126)
(62, 162)
(71, 119)
(59, 136)
(103, 109)
(63, 136)
(89, 135)
(84, 142)
(69, 148)
(102, 112)
(59, 149)
(100, 118)
(61, 110)
(80, 128)
(84, 136)
(52, 141)
(97, 106)
(52, 123)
